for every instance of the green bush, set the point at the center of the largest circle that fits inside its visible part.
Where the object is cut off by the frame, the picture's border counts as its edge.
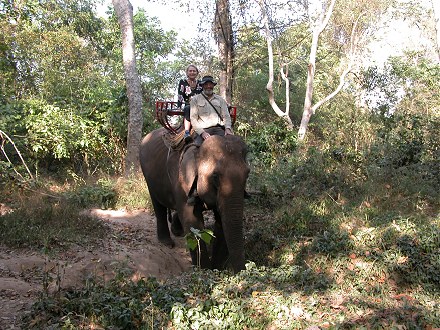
(49, 134)
(272, 143)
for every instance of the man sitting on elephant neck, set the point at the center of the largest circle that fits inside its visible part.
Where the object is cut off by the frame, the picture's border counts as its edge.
(209, 116)
(209, 112)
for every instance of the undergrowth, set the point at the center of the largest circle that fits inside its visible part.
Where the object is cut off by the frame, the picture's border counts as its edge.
(336, 238)
(326, 260)
(48, 224)
(52, 215)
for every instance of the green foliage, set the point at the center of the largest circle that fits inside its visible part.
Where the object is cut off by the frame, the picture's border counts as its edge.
(110, 193)
(258, 297)
(69, 105)
(122, 303)
(59, 132)
(272, 143)
(132, 193)
(100, 195)
(193, 238)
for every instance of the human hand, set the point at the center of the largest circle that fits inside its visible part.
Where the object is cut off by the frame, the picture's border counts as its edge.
(228, 131)
(205, 135)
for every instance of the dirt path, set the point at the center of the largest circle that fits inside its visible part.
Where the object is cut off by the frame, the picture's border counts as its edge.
(132, 244)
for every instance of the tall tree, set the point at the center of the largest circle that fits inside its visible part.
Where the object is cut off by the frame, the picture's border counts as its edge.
(124, 12)
(436, 11)
(224, 36)
(269, 86)
(318, 26)
(353, 25)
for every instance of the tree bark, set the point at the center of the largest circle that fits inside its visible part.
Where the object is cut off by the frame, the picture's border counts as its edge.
(225, 42)
(124, 12)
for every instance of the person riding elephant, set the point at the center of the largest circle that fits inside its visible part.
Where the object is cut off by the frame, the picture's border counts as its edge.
(210, 115)
(186, 89)
(209, 112)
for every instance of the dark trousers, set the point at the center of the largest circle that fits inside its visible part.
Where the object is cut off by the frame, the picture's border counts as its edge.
(215, 130)
(186, 112)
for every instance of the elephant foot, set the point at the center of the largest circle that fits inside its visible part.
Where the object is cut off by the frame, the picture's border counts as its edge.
(167, 241)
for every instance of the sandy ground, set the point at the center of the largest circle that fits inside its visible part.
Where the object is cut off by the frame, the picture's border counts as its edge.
(132, 244)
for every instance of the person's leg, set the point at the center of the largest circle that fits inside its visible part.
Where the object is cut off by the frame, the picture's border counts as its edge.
(187, 124)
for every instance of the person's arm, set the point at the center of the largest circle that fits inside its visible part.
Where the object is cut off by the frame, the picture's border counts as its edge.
(180, 93)
(226, 117)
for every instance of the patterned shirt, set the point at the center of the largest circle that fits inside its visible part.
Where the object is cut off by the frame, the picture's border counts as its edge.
(204, 116)
(185, 92)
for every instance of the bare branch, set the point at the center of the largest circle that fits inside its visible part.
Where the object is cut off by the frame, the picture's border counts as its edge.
(346, 71)
(327, 16)
(4, 135)
(335, 92)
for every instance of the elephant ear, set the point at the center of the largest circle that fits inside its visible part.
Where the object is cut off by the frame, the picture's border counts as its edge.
(188, 168)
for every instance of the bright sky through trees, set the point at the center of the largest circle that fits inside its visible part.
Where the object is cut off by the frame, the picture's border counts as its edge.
(397, 37)
(171, 16)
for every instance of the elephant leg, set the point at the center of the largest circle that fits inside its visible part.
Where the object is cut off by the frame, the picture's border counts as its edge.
(163, 232)
(220, 249)
(176, 225)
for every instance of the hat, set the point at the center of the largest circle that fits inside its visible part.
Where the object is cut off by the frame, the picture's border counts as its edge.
(206, 79)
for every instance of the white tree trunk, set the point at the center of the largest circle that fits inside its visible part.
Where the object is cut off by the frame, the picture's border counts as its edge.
(124, 12)
(269, 86)
(436, 9)
(319, 27)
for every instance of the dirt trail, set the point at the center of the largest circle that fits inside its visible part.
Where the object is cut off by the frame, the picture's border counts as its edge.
(132, 244)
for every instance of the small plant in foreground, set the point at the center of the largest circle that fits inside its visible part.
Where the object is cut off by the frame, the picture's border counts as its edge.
(193, 240)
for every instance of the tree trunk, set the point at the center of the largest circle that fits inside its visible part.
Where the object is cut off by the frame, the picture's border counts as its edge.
(436, 12)
(319, 27)
(124, 12)
(225, 42)
(269, 86)
(307, 112)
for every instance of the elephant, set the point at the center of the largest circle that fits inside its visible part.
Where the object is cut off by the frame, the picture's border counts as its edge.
(219, 171)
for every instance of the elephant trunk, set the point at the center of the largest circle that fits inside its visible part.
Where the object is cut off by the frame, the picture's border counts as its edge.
(231, 212)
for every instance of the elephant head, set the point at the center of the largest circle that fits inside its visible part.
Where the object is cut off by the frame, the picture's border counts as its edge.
(222, 174)
(220, 171)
